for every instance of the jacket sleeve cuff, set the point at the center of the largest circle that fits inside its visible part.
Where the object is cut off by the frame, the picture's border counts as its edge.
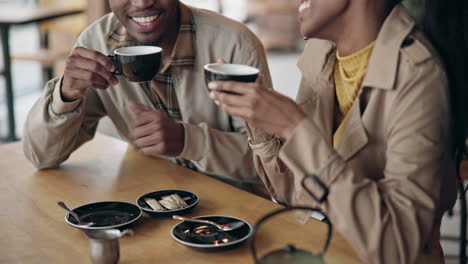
(306, 151)
(194, 143)
(257, 135)
(265, 149)
(59, 107)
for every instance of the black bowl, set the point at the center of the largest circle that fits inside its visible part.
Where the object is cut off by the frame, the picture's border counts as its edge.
(192, 202)
(230, 72)
(105, 215)
(199, 235)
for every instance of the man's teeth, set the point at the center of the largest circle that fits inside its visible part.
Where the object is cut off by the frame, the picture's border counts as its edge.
(304, 5)
(144, 20)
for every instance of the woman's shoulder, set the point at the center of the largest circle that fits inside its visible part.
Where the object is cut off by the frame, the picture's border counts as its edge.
(421, 73)
(416, 49)
(419, 60)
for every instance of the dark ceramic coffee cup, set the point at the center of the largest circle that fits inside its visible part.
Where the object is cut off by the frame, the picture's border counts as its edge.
(137, 63)
(230, 72)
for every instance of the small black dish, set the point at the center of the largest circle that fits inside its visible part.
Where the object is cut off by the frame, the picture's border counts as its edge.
(205, 236)
(192, 201)
(105, 215)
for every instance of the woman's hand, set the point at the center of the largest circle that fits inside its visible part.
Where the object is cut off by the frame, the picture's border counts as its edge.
(258, 105)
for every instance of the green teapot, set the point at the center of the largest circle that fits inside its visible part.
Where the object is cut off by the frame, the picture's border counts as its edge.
(291, 254)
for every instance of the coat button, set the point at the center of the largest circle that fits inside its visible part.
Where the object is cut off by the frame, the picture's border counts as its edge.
(407, 42)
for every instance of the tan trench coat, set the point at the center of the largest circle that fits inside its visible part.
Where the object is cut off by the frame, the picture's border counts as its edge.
(391, 176)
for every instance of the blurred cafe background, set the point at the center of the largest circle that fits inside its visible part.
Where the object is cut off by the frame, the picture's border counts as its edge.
(38, 49)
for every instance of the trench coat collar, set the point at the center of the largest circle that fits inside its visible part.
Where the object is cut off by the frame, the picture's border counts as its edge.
(383, 64)
(316, 65)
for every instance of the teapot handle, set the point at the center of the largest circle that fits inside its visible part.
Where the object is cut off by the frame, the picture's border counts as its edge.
(276, 212)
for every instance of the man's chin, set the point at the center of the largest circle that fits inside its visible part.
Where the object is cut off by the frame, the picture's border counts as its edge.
(146, 40)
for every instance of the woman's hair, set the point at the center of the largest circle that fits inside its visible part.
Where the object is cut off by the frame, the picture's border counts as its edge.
(393, 3)
(446, 25)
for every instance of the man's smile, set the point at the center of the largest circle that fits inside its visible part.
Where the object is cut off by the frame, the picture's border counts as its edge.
(144, 20)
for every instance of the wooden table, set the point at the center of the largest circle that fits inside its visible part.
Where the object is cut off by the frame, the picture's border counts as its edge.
(33, 229)
(18, 15)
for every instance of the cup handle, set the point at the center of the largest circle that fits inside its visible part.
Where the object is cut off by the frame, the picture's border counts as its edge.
(117, 71)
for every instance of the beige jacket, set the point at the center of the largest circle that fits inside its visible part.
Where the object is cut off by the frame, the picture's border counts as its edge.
(214, 142)
(391, 177)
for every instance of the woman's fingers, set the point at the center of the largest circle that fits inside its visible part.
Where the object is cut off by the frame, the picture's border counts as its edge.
(260, 80)
(239, 94)
(229, 99)
(231, 87)
(245, 100)
(266, 109)
(222, 61)
(242, 112)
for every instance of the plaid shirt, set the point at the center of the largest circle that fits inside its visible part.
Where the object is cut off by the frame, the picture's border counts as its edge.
(183, 55)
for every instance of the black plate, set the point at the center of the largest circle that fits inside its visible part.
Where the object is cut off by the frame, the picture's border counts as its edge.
(200, 235)
(105, 215)
(192, 202)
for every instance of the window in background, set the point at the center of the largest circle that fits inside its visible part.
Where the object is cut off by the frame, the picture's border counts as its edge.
(17, 1)
(236, 10)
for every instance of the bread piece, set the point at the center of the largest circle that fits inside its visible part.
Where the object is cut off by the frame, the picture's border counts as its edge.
(179, 200)
(153, 203)
(169, 202)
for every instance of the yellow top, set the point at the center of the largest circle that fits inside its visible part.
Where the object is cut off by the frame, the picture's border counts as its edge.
(349, 74)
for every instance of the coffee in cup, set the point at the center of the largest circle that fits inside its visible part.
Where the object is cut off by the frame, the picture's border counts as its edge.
(137, 63)
(230, 72)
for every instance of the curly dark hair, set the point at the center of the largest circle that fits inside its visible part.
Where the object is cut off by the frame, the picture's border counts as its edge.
(446, 23)
(392, 3)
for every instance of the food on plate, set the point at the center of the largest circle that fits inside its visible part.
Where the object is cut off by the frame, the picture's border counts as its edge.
(181, 202)
(154, 204)
(169, 202)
